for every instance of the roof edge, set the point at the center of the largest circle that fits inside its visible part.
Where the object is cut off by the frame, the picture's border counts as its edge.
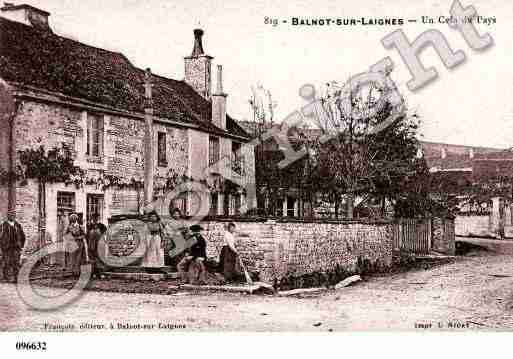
(24, 6)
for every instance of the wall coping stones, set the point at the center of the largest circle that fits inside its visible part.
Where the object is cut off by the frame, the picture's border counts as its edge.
(296, 220)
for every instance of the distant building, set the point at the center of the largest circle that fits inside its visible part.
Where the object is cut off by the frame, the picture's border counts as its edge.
(279, 193)
(457, 166)
(452, 167)
(90, 101)
(443, 157)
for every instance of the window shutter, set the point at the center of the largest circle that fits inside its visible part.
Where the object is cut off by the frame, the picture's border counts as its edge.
(86, 130)
(106, 149)
(101, 127)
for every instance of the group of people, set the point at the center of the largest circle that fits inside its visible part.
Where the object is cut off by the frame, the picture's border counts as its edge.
(192, 267)
(12, 241)
(191, 263)
(82, 245)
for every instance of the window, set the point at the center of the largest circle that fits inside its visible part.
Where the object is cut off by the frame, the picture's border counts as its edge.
(180, 202)
(236, 146)
(214, 198)
(237, 158)
(94, 206)
(65, 206)
(66, 150)
(65, 202)
(291, 202)
(161, 149)
(226, 204)
(236, 203)
(279, 208)
(213, 150)
(94, 135)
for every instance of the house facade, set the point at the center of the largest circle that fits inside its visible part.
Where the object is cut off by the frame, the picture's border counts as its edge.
(92, 104)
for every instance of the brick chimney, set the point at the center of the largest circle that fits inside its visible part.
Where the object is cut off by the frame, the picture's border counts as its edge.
(219, 102)
(26, 14)
(198, 67)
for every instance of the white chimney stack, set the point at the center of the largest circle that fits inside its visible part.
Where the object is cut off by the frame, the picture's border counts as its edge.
(219, 102)
(219, 88)
(26, 14)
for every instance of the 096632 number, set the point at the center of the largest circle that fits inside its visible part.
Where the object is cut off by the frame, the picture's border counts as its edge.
(36, 346)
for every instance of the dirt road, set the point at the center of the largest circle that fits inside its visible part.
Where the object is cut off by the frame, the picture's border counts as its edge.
(472, 293)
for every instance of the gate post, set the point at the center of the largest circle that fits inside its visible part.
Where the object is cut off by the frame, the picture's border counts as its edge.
(430, 234)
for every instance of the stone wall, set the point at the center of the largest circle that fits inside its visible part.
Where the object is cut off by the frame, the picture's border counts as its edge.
(281, 249)
(5, 143)
(27, 213)
(472, 225)
(198, 74)
(4, 200)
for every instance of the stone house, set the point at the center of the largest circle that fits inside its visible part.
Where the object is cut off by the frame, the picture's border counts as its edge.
(94, 104)
(456, 168)
(268, 154)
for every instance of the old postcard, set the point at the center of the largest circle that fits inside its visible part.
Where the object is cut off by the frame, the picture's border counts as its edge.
(175, 167)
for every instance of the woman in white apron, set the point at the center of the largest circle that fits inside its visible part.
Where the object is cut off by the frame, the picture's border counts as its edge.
(154, 256)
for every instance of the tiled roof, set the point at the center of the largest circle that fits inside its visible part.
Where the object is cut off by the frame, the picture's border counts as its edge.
(485, 163)
(455, 156)
(45, 60)
(433, 149)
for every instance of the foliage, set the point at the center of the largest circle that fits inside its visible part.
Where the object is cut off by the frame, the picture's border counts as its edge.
(104, 181)
(355, 161)
(55, 166)
(358, 161)
(482, 191)
(49, 166)
(172, 180)
(273, 181)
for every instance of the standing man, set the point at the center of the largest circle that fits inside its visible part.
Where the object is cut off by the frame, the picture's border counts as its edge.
(12, 240)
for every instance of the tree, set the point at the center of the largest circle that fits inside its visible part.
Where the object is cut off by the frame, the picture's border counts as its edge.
(414, 198)
(357, 159)
(267, 174)
(52, 166)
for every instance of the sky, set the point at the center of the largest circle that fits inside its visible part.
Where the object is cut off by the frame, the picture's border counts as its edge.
(470, 104)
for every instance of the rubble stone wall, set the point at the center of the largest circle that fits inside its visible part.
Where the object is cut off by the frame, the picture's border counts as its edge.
(281, 249)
